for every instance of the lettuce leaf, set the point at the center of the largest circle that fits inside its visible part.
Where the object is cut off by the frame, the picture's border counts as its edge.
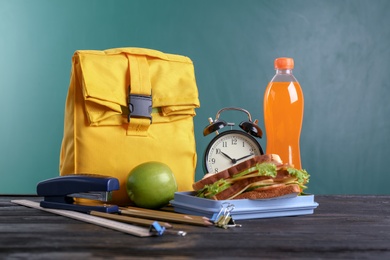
(262, 169)
(210, 190)
(301, 175)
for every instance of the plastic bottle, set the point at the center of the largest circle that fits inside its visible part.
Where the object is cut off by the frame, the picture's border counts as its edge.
(283, 113)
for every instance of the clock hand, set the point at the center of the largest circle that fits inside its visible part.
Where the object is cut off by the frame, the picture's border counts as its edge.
(246, 156)
(231, 159)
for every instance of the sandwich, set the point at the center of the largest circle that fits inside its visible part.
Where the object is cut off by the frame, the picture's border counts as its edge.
(260, 177)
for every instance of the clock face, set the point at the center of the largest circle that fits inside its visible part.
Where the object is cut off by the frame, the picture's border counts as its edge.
(229, 148)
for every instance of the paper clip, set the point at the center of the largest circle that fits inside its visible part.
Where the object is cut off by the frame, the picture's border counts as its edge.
(224, 217)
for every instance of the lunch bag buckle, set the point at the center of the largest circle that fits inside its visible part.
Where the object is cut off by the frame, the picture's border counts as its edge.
(140, 106)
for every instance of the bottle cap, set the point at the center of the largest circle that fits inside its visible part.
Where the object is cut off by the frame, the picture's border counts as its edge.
(284, 63)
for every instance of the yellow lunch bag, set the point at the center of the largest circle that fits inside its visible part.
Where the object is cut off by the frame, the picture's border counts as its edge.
(127, 106)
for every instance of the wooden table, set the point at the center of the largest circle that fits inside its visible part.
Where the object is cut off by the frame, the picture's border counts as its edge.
(341, 227)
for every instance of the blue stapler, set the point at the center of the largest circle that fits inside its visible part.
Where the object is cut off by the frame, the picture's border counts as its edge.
(60, 192)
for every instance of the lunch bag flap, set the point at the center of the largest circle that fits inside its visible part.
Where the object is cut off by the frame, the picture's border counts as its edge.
(110, 76)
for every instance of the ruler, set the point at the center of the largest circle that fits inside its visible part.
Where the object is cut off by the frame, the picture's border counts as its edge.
(115, 225)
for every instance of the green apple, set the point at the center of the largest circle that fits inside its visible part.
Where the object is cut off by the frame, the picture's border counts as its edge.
(151, 185)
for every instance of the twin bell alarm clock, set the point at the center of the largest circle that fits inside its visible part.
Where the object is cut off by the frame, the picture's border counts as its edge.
(231, 146)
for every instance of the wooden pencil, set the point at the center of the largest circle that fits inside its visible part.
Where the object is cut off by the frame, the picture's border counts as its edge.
(164, 213)
(165, 216)
(127, 219)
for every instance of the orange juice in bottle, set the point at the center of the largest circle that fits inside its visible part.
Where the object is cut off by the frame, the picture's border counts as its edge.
(283, 113)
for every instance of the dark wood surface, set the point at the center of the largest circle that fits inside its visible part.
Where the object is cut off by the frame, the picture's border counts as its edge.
(353, 227)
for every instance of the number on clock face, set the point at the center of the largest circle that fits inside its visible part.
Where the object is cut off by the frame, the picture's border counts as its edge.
(229, 148)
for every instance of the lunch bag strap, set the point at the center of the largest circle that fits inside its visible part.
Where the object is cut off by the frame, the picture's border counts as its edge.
(140, 96)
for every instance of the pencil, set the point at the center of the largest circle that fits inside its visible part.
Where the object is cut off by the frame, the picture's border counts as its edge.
(127, 219)
(164, 213)
(165, 216)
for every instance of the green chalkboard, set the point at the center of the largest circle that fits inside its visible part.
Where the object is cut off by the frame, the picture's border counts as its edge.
(341, 58)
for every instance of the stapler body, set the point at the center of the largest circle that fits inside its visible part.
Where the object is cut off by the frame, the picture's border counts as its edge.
(60, 192)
